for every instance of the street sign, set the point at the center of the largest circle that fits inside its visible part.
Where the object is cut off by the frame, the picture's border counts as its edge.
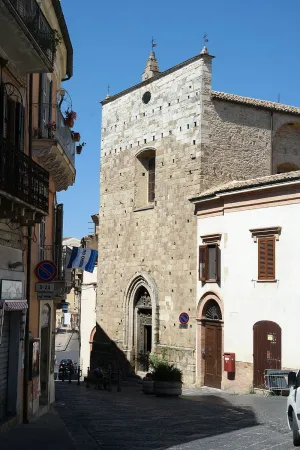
(46, 271)
(45, 295)
(184, 318)
(44, 287)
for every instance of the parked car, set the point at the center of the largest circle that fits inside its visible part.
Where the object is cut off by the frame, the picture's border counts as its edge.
(66, 367)
(293, 406)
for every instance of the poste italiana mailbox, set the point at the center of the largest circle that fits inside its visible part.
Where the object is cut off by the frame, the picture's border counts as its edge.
(229, 362)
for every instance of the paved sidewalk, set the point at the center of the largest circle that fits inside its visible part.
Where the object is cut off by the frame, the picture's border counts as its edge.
(48, 432)
(206, 419)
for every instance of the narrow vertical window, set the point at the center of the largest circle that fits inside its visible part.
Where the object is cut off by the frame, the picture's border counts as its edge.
(266, 258)
(151, 179)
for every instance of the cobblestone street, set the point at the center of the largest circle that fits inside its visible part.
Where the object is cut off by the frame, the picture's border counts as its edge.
(200, 419)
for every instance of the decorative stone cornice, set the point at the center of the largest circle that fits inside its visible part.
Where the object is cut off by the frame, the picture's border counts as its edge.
(51, 158)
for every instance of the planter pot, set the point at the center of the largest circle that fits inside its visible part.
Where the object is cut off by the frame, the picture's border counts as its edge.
(148, 387)
(78, 149)
(69, 122)
(76, 137)
(167, 388)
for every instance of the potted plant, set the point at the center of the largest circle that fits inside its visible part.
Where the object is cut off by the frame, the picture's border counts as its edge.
(167, 379)
(79, 147)
(148, 384)
(37, 134)
(70, 118)
(75, 136)
(51, 127)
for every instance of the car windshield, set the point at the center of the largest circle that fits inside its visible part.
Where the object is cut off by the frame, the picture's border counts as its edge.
(66, 361)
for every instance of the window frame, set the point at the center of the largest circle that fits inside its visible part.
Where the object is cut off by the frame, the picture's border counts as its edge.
(262, 275)
(203, 273)
(151, 180)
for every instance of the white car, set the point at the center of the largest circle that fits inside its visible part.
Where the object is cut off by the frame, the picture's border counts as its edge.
(293, 406)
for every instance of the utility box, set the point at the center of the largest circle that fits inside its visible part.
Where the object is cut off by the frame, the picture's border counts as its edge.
(229, 362)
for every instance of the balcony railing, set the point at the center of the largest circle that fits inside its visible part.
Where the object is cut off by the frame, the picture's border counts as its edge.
(23, 178)
(51, 113)
(37, 24)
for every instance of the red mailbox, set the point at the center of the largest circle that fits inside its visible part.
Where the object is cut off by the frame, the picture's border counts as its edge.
(229, 362)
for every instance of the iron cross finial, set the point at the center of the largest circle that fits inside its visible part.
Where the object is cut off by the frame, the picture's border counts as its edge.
(153, 44)
(205, 38)
(108, 88)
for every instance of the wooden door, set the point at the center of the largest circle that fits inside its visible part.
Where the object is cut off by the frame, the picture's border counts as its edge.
(266, 349)
(213, 355)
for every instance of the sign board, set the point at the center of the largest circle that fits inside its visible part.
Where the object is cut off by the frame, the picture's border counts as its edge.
(184, 318)
(44, 287)
(45, 295)
(46, 271)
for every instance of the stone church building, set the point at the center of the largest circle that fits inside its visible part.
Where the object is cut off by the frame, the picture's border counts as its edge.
(164, 141)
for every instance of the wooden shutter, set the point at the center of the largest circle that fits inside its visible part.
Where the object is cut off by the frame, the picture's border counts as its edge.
(19, 129)
(3, 111)
(202, 262)
(50, 102)
(266, 258)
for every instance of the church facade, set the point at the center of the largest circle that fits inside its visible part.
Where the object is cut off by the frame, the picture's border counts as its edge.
(164, 141)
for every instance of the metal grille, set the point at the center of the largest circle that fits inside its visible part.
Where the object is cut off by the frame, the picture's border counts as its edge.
(37, 24)
(22, 177)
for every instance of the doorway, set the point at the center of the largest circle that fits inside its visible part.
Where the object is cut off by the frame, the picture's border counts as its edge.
(45, 353)
(143, 329)
(211, 332)
(266, 349)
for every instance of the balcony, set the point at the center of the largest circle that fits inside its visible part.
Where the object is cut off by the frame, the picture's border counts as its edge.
(54, 147)
(31, 43)
(24, 186)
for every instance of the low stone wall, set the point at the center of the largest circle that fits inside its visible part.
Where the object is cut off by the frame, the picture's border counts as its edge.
(242, 381)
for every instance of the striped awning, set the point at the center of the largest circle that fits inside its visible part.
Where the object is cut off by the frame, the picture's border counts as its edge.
(13, 305)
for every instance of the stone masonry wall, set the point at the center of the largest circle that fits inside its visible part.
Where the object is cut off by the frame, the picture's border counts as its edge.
(199, 143)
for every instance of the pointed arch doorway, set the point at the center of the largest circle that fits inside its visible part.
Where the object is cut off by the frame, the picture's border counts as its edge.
(143, 329)
(141, 324)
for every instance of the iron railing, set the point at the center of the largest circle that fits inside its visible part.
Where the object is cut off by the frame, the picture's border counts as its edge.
(22, 177)
(37, 24)
(46, 114)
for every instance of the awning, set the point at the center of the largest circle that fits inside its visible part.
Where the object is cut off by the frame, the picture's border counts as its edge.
(13, 305)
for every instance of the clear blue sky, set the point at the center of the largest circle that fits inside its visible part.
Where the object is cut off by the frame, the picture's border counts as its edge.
(256, 44)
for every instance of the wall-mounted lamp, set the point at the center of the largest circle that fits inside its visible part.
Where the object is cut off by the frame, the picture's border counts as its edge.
(16, 265)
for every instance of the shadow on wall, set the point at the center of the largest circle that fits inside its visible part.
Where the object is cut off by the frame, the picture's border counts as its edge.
(104, 351)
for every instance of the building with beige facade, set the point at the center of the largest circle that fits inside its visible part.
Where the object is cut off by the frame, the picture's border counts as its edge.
(37, 160)
(164, 141)
(247, 246)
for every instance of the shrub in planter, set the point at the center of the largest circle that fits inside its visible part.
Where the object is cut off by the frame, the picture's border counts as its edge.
(167, 379)
(148, 387)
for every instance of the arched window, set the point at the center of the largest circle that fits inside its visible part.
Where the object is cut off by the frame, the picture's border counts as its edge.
(145, 178)
(286, 167)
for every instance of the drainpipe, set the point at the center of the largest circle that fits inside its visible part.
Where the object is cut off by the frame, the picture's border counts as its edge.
(28, 274)
(271, 126)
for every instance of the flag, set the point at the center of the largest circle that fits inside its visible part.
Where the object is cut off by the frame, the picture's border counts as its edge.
(83, 258)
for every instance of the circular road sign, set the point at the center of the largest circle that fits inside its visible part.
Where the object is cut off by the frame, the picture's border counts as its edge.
(46, 271)
(184, 318)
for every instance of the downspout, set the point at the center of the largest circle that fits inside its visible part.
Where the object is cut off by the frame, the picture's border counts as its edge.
(28, 274)
(271, 139)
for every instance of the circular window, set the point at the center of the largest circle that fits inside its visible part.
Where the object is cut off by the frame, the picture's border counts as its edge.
(146, 97)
